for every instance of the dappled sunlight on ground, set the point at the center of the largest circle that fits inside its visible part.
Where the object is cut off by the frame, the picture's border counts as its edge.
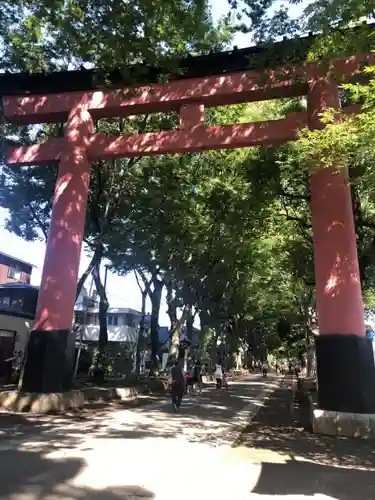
(150, 447)
(202, 417)
(132, 452)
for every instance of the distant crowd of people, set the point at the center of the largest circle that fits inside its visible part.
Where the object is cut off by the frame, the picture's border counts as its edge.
(284, 368)
(190, 381)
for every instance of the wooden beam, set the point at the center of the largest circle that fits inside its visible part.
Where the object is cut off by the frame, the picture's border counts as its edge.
(199, 138)
(38, 154)
(235, 88)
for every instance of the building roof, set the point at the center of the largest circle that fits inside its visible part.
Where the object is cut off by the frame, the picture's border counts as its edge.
(17, 259)
(19, 285)
(123, 310)
(111, 310)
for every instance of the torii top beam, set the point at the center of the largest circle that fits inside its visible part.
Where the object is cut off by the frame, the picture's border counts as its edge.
(235, 88)
(259, 57)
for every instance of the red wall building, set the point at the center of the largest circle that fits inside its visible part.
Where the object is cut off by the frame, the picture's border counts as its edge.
(13, 270)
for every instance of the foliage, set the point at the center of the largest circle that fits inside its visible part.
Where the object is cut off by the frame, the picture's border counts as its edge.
(44, 35)
(268, 20)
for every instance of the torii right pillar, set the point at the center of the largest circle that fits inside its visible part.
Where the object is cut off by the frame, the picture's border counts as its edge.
(345, 360)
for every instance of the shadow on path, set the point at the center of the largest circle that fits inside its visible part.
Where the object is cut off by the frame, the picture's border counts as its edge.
(296, 462)
(32, 476)
(308, 479)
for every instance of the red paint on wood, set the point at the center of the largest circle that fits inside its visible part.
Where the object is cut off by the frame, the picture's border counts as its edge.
(200, 139)
(59, 279)
(339, 69)
(197, 138)
(233, 88)
(37, 154)
(338, 286)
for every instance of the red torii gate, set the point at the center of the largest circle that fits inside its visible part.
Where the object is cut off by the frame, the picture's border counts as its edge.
(345, 364)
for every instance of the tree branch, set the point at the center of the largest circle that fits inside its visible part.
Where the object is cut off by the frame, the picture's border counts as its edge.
(41, 225)
(146, 282)
(292, 196)
(96, 255)
(302, 224)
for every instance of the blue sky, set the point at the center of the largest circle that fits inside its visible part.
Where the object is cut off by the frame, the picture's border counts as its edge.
(122, 292)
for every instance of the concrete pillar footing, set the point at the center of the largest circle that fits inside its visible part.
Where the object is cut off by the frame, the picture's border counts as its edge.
(343, 424)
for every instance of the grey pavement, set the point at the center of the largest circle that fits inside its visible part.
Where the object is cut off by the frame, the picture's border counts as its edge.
(136, 452)
(133, 452)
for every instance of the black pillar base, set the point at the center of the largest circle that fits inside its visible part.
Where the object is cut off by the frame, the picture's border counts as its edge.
(49, 362)
(346, 373)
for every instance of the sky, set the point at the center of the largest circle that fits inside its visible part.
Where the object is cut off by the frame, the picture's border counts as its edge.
(122, 291)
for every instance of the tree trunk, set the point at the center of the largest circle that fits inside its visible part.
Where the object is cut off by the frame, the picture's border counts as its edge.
(155, 297)
(311, 363)
(175, 329)
(205, 330)
(174, 343)
(97, 256)
(142, 324)
(174, 332)
(189, 323)
(141, 333)
(213, 353)
(99, 369)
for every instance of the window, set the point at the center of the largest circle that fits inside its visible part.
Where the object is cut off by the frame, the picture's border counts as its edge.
(115, 320)
(5, 301)
(130, 320)
(17, 302)
(79, 318)
(110, 320)
(14, 273)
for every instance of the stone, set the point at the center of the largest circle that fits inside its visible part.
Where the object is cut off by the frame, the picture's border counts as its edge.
(361, 425)
(355, 425)
(324, 422)
(372, 425)
(41, 403)
(344, 424)
(57, 402)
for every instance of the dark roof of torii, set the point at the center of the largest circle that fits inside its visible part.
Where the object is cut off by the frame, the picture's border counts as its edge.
(255, 57)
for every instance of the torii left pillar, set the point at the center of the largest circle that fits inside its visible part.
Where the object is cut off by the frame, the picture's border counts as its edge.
(50, 352)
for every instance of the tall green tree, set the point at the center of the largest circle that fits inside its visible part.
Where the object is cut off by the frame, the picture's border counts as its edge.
(46, 35)
(268, 20)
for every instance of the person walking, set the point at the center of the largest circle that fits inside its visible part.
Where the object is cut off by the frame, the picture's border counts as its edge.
(177, 385)
(265, 368)
(197, 375)
(218, 374)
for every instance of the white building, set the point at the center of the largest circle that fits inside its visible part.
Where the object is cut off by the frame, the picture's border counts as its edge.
(123, 322)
